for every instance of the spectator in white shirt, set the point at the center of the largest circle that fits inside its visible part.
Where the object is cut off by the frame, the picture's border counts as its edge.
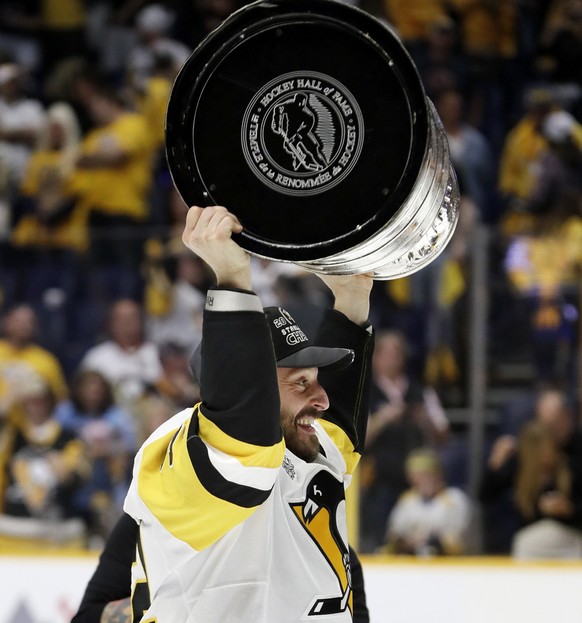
(21, 121)
(431, 518)
(127, 360)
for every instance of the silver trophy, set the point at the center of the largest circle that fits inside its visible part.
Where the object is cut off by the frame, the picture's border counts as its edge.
(308, 120)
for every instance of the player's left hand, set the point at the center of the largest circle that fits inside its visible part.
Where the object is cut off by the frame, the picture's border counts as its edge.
(351, 294)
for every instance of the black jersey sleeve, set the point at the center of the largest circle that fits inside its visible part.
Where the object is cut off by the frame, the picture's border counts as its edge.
(238, 381)
(361, 613)
(112, 578)
(349, 389)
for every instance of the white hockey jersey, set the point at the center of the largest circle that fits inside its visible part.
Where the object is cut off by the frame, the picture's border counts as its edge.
(285, 561)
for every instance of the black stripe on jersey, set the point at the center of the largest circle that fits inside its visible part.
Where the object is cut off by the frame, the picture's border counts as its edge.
(171, 448)
(140, 599)
(216, 484)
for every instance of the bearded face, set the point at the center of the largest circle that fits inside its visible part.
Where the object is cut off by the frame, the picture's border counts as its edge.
(303, 401)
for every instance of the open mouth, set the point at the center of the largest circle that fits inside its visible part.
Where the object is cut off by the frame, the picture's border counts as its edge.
(305, 423)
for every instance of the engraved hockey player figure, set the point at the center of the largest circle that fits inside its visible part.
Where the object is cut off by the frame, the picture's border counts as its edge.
(294, 120)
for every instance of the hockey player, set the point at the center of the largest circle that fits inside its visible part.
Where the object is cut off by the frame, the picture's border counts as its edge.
(240, 500)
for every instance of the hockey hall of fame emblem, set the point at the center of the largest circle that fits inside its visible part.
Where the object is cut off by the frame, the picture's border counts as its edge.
(302, 133)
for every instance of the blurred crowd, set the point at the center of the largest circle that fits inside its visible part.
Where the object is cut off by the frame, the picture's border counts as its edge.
(101, 303)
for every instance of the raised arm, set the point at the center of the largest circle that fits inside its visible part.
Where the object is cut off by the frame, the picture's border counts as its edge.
(347, 326)
(221, 459)
(351, 295)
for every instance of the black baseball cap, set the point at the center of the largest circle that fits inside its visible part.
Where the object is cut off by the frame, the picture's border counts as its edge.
(292, 348)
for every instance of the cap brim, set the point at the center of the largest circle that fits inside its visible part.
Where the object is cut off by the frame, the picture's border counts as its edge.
(318, 357)
(331, 359)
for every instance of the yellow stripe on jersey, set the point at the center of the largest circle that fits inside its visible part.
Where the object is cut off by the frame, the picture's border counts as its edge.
(343, 443)
(247, 453)
(172, 490)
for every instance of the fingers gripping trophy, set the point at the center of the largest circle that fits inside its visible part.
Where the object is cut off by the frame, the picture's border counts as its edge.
(308, 119)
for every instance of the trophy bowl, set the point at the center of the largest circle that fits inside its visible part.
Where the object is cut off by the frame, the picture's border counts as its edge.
(308, 120)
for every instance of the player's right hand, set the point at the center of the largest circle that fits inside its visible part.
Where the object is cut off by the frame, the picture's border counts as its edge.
(208, 233)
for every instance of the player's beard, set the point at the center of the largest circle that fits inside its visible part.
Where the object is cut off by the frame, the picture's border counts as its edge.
(298, 439)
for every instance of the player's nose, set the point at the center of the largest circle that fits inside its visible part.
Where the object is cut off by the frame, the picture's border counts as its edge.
(319, 398)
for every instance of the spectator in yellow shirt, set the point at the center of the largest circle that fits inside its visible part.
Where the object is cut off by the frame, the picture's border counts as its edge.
(21, 357)
(152, 101)
(42, 467)
(50, 237)
(489, 36)
(51, 222)
(63, 31)
(521, 150)
(112, 180)
(412, 19)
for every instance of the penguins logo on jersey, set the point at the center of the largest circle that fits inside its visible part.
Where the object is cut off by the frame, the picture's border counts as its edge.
(318, 516)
